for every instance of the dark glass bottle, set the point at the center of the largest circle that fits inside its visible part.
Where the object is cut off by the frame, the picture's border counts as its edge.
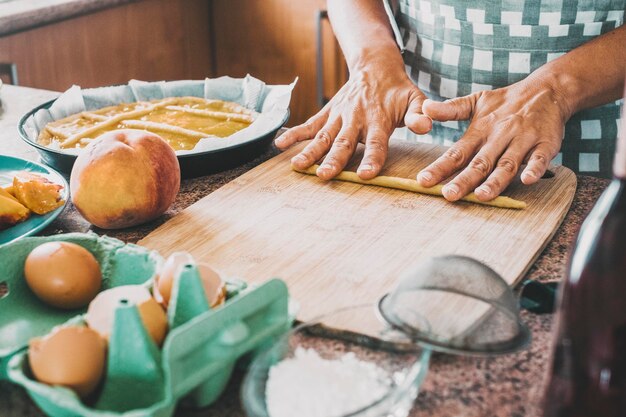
(588, 374)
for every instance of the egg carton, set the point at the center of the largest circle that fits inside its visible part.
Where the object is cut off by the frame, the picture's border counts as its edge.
(197, 358)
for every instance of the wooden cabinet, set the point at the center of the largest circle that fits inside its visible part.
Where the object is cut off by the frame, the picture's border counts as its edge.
(147, 40)
(275, 40)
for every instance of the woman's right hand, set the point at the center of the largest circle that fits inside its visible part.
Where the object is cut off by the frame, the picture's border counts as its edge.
(378, 97)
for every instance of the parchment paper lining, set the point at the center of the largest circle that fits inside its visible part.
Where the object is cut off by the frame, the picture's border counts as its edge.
(270, 101)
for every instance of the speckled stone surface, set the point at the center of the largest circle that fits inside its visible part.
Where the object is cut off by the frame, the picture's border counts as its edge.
(19, 15)
(506, 386)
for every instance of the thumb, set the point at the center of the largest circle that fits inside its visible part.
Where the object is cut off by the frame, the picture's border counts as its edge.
(460, 108)
(414, 119)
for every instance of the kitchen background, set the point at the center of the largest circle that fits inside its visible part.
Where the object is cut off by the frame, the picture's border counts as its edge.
(52, 44)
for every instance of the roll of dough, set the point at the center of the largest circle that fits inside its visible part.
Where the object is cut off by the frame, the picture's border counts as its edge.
(413, 186)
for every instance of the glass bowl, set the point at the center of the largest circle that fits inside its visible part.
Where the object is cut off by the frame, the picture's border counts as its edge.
(346, 363)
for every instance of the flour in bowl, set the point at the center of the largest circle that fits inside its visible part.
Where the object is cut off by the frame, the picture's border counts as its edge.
(308, 385)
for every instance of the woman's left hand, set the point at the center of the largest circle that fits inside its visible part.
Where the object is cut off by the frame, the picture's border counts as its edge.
(523, 122)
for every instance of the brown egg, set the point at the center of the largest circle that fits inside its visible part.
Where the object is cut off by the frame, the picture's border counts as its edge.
(71, 356)
(63, 274)
(101, 312)
(214, 287)
(165, 279)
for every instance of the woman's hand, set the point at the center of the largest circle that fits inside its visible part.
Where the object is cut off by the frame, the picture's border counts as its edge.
(523, 122)
(377, 98)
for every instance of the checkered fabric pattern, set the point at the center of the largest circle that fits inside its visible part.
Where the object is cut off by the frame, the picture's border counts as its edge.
(453, 48)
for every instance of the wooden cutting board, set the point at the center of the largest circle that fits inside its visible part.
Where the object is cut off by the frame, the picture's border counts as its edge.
(338, 244)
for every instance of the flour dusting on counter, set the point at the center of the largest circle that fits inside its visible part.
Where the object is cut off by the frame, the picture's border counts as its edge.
(308, 385)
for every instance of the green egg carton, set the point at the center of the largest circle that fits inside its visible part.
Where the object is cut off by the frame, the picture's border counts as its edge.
(23, 316)
(197, 358)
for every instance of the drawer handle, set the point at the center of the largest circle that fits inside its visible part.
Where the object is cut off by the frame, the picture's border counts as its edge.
(10, 69)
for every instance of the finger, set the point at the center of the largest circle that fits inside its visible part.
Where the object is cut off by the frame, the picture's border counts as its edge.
(414, 118)
(305, 131)
(376, 146)
(455, 158)
(340, 152)
(506, 169)
(460, 108)
(318, 147)
(476, 171)
(485, 161)
(538, 163)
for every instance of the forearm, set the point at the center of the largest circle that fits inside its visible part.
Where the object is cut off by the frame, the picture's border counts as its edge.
(590, 75)
(364, 34)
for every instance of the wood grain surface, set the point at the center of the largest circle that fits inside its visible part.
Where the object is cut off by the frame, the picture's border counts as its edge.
(275, 40)
(149, 40)
(338, 244)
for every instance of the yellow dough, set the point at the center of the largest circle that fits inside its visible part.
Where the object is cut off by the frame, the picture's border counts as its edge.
(180, 121)
(412, 185)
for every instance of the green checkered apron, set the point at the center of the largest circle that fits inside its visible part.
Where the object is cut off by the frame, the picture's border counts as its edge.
(453, 48)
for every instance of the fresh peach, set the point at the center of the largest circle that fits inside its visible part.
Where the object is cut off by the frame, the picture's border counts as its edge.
(125, 178)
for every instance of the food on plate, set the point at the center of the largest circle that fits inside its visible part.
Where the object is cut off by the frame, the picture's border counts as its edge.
(11, 210)
(28, 193)
(101, 312)
(71, 356)
(63, 274)
(37, 193)
(125, 178)
(181, 121)
(413, 186)
(214, 286)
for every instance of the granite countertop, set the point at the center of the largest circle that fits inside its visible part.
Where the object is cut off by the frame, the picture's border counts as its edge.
(19, 15)
(507, 386)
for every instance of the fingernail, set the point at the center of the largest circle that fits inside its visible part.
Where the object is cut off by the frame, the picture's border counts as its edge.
(529, 174)
(297, 158)
(451, 189)
(366, 167)
(425, 176)
(483, 189)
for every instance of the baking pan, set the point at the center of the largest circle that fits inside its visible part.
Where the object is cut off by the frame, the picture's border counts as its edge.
(191, 165)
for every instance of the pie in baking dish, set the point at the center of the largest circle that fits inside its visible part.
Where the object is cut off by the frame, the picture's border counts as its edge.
(181, 121)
